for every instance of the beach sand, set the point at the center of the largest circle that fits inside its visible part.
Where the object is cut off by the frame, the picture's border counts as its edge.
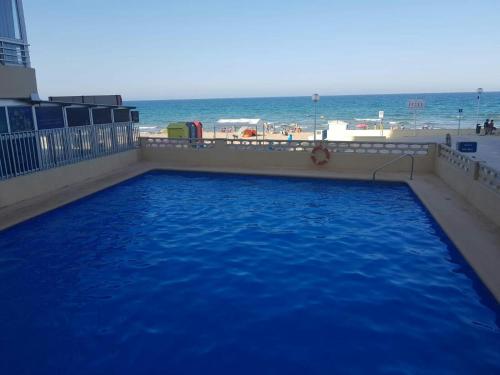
(207, 134)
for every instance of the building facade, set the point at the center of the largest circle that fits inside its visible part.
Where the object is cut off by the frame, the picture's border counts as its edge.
(17, 77)
(39, 134)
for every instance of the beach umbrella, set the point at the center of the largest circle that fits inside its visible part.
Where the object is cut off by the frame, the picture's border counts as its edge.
(361, 126)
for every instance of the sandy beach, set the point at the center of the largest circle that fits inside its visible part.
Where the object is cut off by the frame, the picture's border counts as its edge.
(207, 134)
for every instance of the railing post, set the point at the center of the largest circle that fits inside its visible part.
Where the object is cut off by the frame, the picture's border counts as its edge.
(113, 139)
(37, 139)
(475, 170)
(11, 150)
(95, 143)
(64, 138)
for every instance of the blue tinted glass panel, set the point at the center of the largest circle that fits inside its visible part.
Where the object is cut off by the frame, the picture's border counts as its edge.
(135, 116)
(15, 19)
(101, 115)
(121, 115)
(49, 118)
(78, 116)
(9, 20)
(21, 119)
(3, 121)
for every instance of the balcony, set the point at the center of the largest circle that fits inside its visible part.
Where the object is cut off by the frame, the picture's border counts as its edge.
(14, 52)
(33, 151)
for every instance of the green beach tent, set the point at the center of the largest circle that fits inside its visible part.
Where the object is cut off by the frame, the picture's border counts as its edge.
(178, 130)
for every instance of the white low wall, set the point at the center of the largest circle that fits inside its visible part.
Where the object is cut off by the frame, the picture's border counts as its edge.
(29, 186)
(261, 155)
(463, 175)
(403, 133)
(340, 134)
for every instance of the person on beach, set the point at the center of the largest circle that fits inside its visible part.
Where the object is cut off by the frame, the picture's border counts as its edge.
(486, 126)
(492, 127)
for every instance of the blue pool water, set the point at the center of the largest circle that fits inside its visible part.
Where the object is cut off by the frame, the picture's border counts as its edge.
(173, 273)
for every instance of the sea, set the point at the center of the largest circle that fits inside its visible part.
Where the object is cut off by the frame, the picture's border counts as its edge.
(440, 110)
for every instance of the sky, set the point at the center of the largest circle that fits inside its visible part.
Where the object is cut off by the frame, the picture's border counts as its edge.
(177, 49)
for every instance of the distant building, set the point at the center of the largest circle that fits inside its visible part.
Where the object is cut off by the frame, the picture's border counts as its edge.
(17, 78)
(40, 134)
(21, 110)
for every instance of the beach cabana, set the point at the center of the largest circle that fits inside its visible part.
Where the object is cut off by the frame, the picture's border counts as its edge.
(192, 130)
(199, 129)
(178, 130)
(238, 124)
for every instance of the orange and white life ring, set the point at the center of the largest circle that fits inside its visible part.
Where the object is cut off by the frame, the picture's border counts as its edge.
(320, 155)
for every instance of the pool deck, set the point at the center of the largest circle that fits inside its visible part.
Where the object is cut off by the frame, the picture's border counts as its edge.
(476, 237)
(488, 147)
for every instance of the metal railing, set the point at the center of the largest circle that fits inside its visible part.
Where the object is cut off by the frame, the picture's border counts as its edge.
(14, 53)
(394, 161)
(32, 151)
(384, 148)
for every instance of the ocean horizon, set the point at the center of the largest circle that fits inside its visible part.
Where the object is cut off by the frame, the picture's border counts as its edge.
(441, 109)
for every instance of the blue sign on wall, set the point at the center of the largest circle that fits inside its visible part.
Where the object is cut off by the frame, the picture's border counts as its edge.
(467, 146)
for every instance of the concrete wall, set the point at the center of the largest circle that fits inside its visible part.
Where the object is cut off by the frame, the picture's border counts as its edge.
(476, 193)
(340, 134)
(32, 185)
(403, 133)
(222, 156)
(17, 82)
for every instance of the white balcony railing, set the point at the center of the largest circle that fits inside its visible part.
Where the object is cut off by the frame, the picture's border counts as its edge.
(14, 52)
(478, 170)
(32, 151)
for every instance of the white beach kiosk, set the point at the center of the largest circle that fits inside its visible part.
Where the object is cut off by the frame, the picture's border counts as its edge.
(370, 131)
(238, 126)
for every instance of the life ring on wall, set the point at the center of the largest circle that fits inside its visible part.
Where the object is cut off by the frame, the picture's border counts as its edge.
(320, 155)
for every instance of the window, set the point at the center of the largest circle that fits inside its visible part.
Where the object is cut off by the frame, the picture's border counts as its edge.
(78, 116)
(3, 121)
(15, 16)
(12, 53)
(135, 116)
(121, 115)
(49, 117)
(101, 116)
(10, 25)
(20, 119)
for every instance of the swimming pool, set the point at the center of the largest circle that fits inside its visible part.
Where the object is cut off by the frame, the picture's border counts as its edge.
(185, 273)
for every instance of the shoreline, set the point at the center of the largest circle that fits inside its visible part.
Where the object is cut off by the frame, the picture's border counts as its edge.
(207, 134)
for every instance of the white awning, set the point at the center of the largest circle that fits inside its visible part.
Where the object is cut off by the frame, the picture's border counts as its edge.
(240, 122)
(368, 119)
